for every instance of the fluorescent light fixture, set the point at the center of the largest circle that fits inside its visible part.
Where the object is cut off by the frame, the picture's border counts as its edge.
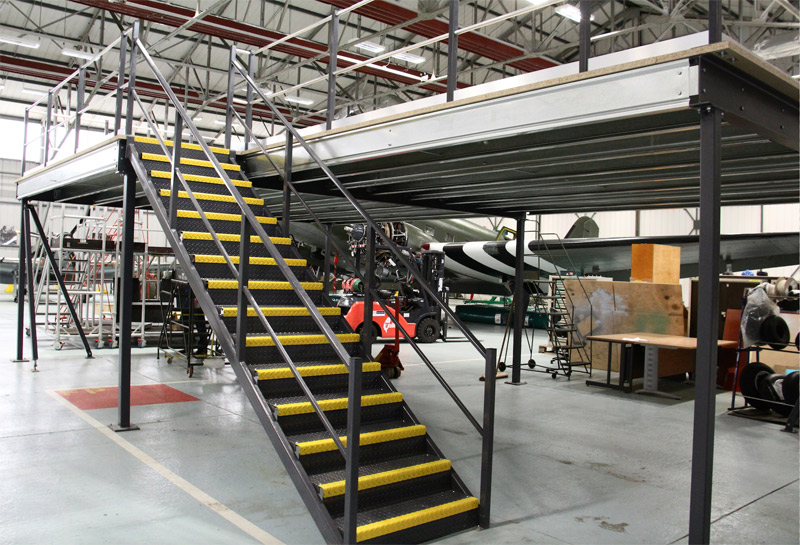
(219, 121)
(299, 100)
(31, 90)
(78, 54)
(372, 47)
(571, 12)
(198, 118)
(32, 43)
(409, 58)
(2, 85)
(238, 100)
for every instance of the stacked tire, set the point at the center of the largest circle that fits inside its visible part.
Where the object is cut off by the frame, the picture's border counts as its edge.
(769, 391)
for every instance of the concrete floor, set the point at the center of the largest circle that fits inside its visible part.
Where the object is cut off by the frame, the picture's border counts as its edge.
(573, 464)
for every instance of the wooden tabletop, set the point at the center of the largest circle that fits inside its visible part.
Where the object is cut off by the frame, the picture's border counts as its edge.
(656, 339)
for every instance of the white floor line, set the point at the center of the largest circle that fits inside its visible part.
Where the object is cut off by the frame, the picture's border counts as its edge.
(228, 514)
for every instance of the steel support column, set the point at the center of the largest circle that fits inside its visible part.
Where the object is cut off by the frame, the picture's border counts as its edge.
(452, 51)
(520, 306)
(241, 302)
(229, 97)
(353, 451)
(326, 268)
(125, 300)
(707, 327)
(26, 231)
(333, 52)
(21, 286)
(248, 109)
(59, 279)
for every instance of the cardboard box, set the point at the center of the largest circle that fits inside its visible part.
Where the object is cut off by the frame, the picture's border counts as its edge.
(655, 263)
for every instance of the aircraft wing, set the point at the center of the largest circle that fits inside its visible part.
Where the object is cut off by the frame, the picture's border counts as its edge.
(491, 261)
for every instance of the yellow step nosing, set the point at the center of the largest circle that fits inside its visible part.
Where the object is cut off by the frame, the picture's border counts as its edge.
(219, 216)
(370, 438)
(279, 373)
(213, 197)
(330, 490)
(189, 161)
(184, 145)
(206, 258)
(232, 312)
(231, 237)
(338, 404)
(417, 518)
(164, 174)
(298, 340)
(261, 285)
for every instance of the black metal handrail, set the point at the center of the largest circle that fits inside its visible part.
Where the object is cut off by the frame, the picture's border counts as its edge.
(249, 219)
(80, 108)
(362, 212)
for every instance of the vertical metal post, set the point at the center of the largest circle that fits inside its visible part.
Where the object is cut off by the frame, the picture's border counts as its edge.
(353, 451)
(519, 301)
(125, 299)
(59, 279)
(229, 98)
(24, 142)
(714, 22)
(707, 328)
(584, 35)
(326, 268)
(132, 81)
(47, 123)
(452, 51)
(123, 46)
(487, 445)
(241, 301)
(248, 109)
(174, 183)
(333, 52)
(21, 285)
(26, 232)
(287, 178)
(369, 274)
(79, 106)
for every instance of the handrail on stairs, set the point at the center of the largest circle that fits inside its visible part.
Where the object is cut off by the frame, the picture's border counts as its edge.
(401, 257)
(249, 222)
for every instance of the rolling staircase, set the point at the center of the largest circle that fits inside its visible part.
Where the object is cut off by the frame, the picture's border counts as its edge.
(408, 491)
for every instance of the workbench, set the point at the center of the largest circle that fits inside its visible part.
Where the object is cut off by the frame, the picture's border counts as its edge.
(651, 342)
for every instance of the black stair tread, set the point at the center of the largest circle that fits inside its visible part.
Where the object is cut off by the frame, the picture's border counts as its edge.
(314, 363)
(273, 401)
(371, 469)
(369, 516)
(365, 428)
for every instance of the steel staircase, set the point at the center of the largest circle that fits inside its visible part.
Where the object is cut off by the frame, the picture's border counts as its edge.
(407, 491)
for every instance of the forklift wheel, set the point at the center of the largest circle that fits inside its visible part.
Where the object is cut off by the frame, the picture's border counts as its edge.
(374, 331)
(428, 330)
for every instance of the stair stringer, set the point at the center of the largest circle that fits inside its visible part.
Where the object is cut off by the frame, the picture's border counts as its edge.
(245, 378)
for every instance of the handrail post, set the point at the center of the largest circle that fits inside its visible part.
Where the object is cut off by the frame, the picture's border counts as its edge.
(487, 445)
(353, 451)
(452, 51)
(248, 111)
(333, 52)
(326, 268)
(24, 142)
(369, 274)
(584, 35)
(241, 303)
(132, 79)
(123, 48)
(287, 179)
(173, 178)
(79, 108)
(47, 124)
(229, 99)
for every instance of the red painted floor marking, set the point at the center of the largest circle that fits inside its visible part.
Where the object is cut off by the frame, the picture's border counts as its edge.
(106, 398)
